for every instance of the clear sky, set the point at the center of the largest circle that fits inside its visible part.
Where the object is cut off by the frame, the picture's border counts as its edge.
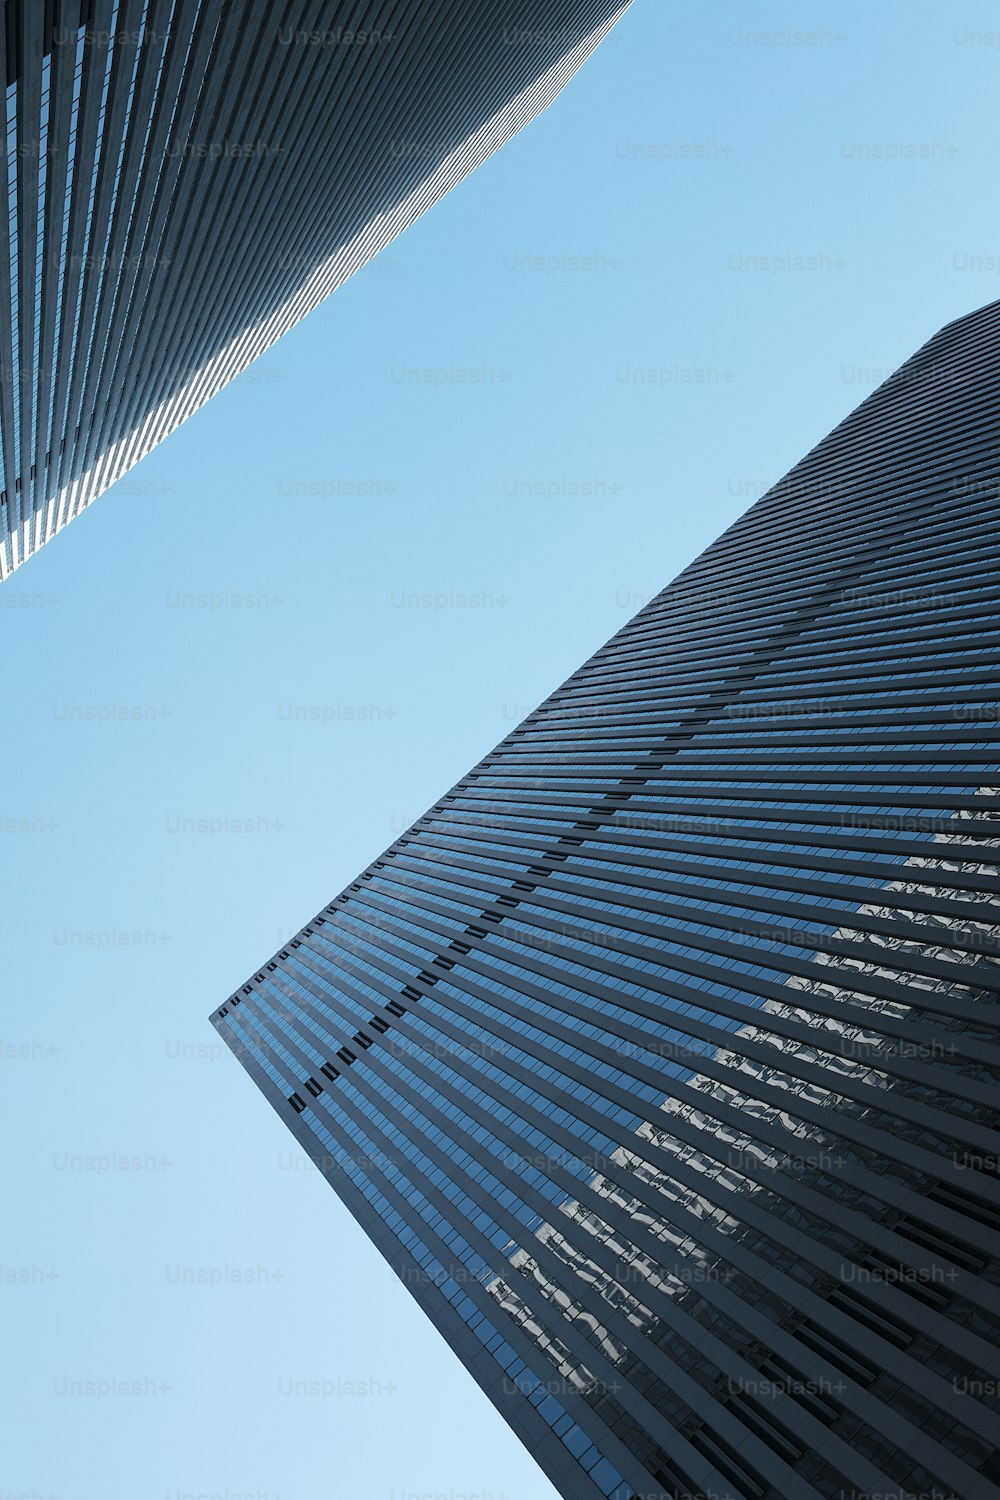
(725, 232)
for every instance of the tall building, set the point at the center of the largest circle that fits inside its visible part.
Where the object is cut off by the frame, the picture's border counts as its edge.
(660, 1057)
(186, 179)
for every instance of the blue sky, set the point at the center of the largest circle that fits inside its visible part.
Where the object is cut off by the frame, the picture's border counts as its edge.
(249, 666)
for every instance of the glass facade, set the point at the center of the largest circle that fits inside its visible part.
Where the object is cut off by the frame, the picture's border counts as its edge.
(660, 1057)
(186, 179)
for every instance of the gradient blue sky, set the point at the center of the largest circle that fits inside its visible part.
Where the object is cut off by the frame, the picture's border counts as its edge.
(699, 150)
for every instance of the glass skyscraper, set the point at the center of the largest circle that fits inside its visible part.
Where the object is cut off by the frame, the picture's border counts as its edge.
(660, 1057)
(186, 179)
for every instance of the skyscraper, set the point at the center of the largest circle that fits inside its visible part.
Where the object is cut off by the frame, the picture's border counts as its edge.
(186, 179)
(659, 1058)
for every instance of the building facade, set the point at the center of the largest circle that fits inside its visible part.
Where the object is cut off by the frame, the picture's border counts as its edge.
(186, 179)
(660, 1057)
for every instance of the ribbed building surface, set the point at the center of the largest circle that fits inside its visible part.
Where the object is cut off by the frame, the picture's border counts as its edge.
(660, 1057)
(186, 179)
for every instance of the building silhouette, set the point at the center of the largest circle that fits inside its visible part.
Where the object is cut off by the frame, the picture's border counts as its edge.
(186, 179)
(659, 1058)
